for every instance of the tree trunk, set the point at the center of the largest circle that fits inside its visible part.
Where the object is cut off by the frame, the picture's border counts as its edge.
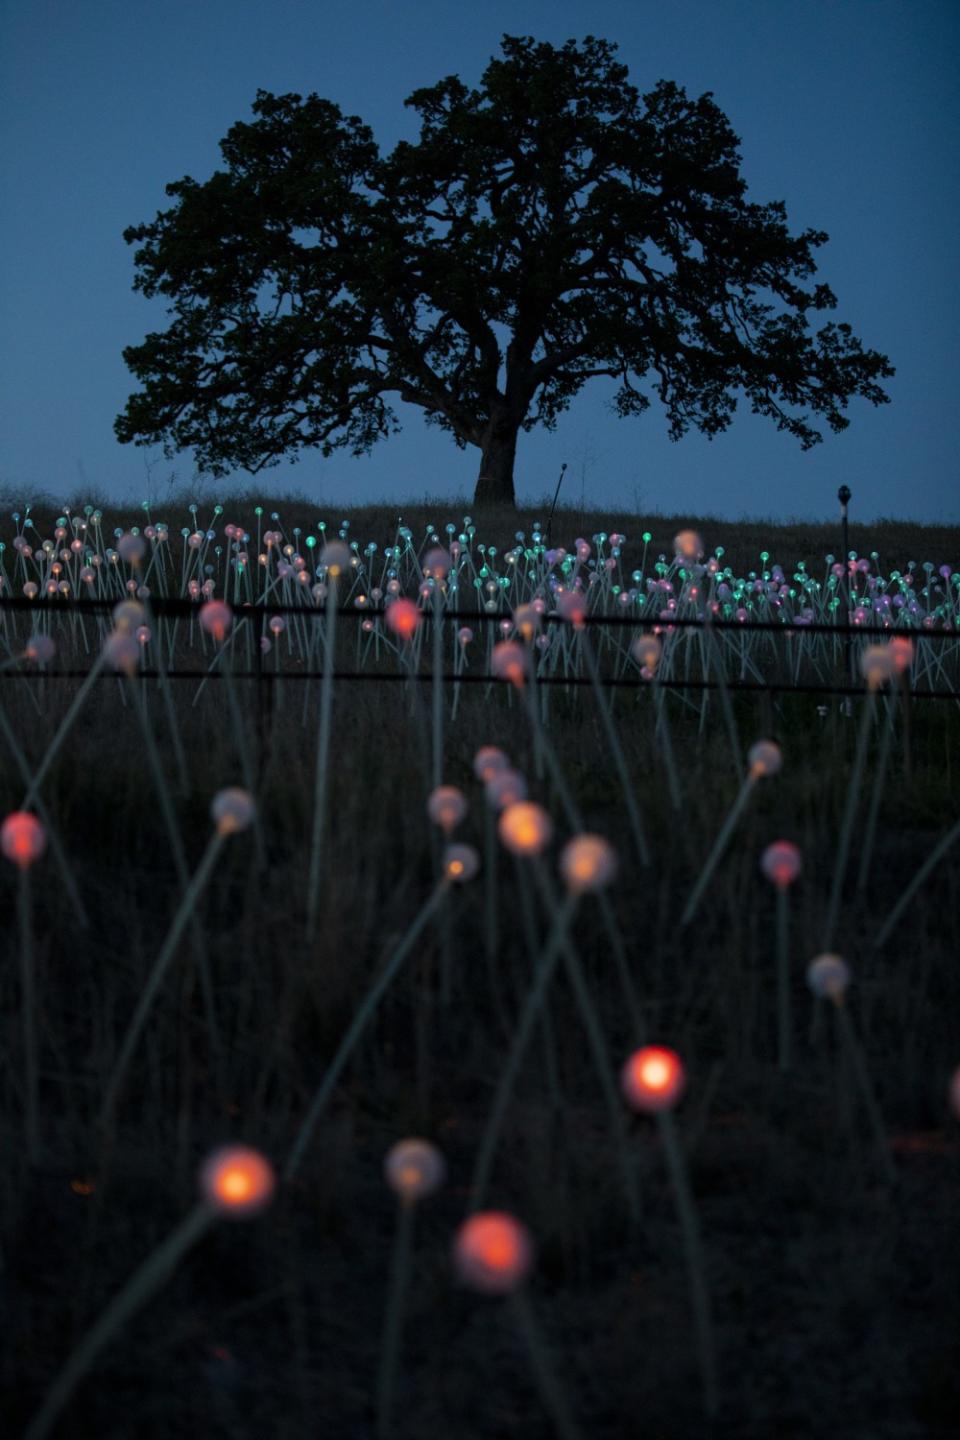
(495, 481)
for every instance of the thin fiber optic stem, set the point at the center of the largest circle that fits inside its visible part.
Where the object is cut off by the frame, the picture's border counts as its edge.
(699, 1294)
(399, 1277)
(29, 1017)
(357, 1027)
(719, 845)
(846, 830)
(137, 1291)
(191, 895)
(932, 860)
(323, 751)
(626, 785)
(554, 1400)
(511, 1067)
(783, 979)
(437, 685)
(62, 732)
(855, 1051)
(870, 830)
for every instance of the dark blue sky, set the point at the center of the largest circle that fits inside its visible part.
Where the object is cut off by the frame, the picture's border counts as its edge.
(847, 111)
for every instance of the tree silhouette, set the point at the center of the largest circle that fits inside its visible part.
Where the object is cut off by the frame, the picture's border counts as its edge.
(545, 229)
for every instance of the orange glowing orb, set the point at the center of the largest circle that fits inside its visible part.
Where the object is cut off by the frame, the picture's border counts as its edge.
(237, 1181)
(587, 862)
(525, 828)
(653, 1079)
(493, 1252)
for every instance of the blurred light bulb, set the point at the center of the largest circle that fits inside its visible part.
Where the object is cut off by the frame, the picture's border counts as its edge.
(525, 828)
(493, 1252)
(414, 1168)
(232, 810)
(587, 862)
(237, 1181)
(653, 1079)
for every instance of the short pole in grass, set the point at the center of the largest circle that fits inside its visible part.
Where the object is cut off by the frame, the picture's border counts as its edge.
(780, 862)
(336, 557)
(236, 1183)
(763, 758)
(653, 1081)
(232, 810)
(459, 864)
(413, 1169)
(23, 841)
(493, 1253)
(587, 863)
(829, 977)
(878, 666)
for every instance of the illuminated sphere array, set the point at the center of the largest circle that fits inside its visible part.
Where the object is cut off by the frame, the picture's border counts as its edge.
(653, 1079)
(525, 828)
(587, 862)
(22, 838)
(414, 1168)
(237, 1181)
(232, 810)
(493, 1252)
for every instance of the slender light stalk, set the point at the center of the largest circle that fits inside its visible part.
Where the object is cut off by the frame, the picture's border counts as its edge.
(855, 1053)
(63, 730)
(399, 1276)
(357, 1027)
(846, 829)
(626, 785)
(932, 860)
(699, 1293)
(870, 830)
(719, 845)
(437, 684)
(29, 1018)
(148, 994)
(554, 1400)
(137, 1291)
(783, 979)
(323, 751)
(510, 1069)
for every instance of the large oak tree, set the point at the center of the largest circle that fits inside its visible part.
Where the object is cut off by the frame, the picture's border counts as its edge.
(545, 229)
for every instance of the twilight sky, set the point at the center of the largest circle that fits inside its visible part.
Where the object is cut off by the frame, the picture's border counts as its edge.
(847, 110)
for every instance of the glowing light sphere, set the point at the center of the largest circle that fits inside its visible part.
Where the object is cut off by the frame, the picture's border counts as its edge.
(505, 787)
(489, 761)
(336, 557)
(828, 977)
(526, 618)
(525, 828)
(653, 1079)
(493, 1252)
(573, 607)
(587, 862)
(232, 810)
(460, 863)
(764, 758)
(40, 648)
(902, 653)
(120, 649)
(780, 862)
(954, 1092)
(877, 665)
(510, 661)
(403, 617)
(128, 615)
(216, 617)
(647, 651)
(131, 548)
(436, 563)
(237, 1181)
(22, 838)
(688, 545)
(414, 1168)
(446, 807)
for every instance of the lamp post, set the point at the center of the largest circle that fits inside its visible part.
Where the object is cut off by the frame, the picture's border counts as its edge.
(843, 495)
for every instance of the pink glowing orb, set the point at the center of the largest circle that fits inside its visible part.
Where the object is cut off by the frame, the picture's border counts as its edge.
(22, 838)
(653, 1079)
(493, 1252)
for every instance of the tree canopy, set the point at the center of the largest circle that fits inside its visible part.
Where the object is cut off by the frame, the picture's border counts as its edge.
(545, 229)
